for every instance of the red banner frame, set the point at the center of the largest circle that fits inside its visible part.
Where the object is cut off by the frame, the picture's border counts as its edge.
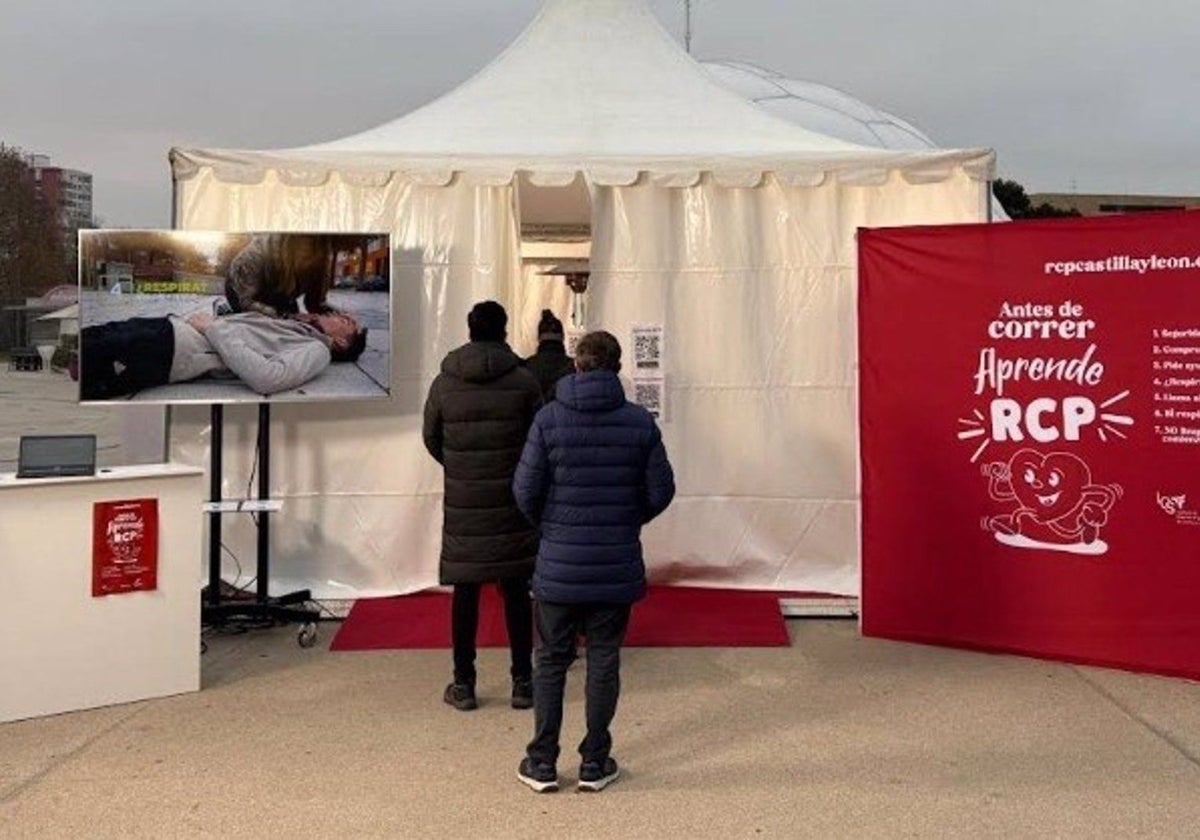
(1030, 433)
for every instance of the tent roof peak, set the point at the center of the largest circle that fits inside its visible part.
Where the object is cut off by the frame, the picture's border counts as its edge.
(590, 85)
(589, 78)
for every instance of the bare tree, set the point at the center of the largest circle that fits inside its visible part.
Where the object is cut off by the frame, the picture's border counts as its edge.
(31, 247)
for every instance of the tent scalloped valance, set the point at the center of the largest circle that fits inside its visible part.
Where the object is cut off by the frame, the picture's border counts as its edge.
(553, 178)
(738, 178)
(238, 173)
(366, 179)
(802, 177)
(867, 176)
(304, 177)
(185, 169)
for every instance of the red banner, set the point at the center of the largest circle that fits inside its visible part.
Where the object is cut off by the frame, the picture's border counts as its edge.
(124, 546)
(1030, 421)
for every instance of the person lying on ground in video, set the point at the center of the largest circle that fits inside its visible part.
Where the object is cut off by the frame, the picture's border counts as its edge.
(267, 354)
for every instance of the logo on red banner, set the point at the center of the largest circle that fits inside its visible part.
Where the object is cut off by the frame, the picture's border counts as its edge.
(1047, 497)
(124, 546)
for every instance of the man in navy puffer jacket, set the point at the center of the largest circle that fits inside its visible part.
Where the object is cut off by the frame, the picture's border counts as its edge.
(593, 472)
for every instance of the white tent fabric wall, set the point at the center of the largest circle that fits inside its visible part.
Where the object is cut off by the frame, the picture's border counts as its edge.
(755, 287)
(362, 499)
(756, 291)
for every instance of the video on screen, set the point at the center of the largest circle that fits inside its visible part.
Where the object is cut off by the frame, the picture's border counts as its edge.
(215, 317)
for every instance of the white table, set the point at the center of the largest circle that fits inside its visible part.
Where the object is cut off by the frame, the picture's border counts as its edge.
(62, 649)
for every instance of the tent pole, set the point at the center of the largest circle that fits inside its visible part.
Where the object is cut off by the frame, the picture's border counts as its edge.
(166, 455)
(687, 37)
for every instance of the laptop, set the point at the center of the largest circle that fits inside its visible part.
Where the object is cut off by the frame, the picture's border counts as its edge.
(52, 456)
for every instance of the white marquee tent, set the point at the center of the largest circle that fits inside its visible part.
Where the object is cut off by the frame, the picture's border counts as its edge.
(730, 227)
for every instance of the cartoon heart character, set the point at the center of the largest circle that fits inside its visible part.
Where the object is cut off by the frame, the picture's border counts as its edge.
(1056, 502)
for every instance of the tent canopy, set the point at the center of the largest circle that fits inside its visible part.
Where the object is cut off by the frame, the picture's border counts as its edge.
(591, 86)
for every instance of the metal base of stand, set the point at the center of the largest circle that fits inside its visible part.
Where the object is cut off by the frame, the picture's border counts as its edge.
(263, 610)
(271, 613)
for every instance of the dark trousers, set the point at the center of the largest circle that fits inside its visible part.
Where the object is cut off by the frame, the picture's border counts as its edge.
(464, 623)
(123, 357)
(603, 625)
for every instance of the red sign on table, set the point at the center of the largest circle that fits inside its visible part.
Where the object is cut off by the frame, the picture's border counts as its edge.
(124, 546)
(1030, 419)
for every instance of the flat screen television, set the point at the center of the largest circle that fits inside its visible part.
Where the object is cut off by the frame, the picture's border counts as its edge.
(216, 317)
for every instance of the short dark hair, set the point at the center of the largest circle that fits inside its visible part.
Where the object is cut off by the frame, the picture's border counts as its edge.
(488, 321)
(351, 353)
(598, 351)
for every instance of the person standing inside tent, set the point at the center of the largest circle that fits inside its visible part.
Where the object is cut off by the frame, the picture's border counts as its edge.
(477, 414)
(593, 472)
(550, 363)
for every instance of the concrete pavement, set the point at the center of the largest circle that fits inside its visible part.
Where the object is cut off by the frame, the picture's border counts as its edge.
(836, 736)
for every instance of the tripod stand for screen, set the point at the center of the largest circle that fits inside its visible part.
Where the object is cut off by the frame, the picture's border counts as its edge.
(263, 610)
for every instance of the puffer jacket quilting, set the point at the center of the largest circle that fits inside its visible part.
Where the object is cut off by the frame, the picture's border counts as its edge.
(593, 472)
(476, 419)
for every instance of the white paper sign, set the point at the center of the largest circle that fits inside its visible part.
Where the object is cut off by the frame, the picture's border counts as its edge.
(650, 392)
(648, 346)
(573, 336)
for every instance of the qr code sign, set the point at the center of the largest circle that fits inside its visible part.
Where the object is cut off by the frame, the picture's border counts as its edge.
(647, 348)
(649, 395)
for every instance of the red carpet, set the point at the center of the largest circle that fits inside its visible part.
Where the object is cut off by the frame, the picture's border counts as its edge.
(669, 616)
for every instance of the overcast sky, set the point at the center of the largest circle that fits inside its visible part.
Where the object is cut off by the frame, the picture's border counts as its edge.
(1095, 95)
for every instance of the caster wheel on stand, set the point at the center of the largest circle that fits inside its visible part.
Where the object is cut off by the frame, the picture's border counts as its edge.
(307, 637)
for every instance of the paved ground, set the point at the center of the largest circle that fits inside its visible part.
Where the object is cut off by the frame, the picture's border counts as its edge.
(47, 403)
(834, 737)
